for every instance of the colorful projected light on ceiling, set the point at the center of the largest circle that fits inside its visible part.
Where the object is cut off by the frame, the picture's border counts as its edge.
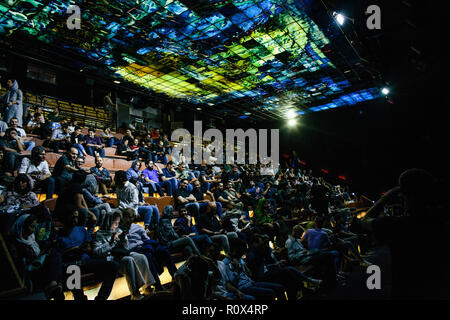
(265, 52)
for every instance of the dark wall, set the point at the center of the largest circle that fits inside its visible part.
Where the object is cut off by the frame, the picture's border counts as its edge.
(70, 85)
(372, 144)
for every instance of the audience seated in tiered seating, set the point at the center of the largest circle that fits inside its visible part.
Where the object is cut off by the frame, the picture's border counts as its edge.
(293, 228)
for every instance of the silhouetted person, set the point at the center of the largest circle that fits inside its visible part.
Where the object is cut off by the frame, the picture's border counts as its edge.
(418, 240)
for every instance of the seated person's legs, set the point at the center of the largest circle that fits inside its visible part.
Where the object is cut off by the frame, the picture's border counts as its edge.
(105, 271)
(90, 151)
(168, 186)
(193, 209)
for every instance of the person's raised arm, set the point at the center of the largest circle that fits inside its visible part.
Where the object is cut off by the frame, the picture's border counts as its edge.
(375, 210)
(164, 178)
(303, 238)
(20, 144)
(182, 200)
(45, 174)
(209, 232)
(211, 195)
(8, 149)
(70, 168)
(222, 199)
(158, 168)
(191, 198)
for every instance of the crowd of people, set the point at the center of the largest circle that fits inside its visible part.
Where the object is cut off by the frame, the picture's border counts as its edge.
(242, 235)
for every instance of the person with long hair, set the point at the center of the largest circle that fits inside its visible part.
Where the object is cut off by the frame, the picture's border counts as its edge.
(20, 197)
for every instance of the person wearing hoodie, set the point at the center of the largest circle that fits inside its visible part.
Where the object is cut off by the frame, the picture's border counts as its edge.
(13, 102)
(128, 197)
(109, 240)
(167, 236)
(26, 247)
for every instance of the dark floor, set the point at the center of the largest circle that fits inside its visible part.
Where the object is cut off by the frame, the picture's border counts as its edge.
(355, 281)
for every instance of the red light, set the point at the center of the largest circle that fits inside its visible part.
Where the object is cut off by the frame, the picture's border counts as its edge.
(342, 177)
(323, 170)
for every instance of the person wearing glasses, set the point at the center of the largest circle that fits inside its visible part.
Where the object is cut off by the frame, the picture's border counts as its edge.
(79, 162)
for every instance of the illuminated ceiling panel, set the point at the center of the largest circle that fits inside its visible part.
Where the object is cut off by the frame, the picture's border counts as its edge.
(260, 54)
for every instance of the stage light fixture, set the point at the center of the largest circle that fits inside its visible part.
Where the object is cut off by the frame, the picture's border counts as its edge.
(340, 18)
(291, 114)
(292, 122)
(385, 91)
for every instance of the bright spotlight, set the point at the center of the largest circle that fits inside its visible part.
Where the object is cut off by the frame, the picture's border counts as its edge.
(292, 122)
(339, 18)
(291, 114)
(385, 91)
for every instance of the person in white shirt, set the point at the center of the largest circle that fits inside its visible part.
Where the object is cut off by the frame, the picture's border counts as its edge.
(14, 123)
(37, 168)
